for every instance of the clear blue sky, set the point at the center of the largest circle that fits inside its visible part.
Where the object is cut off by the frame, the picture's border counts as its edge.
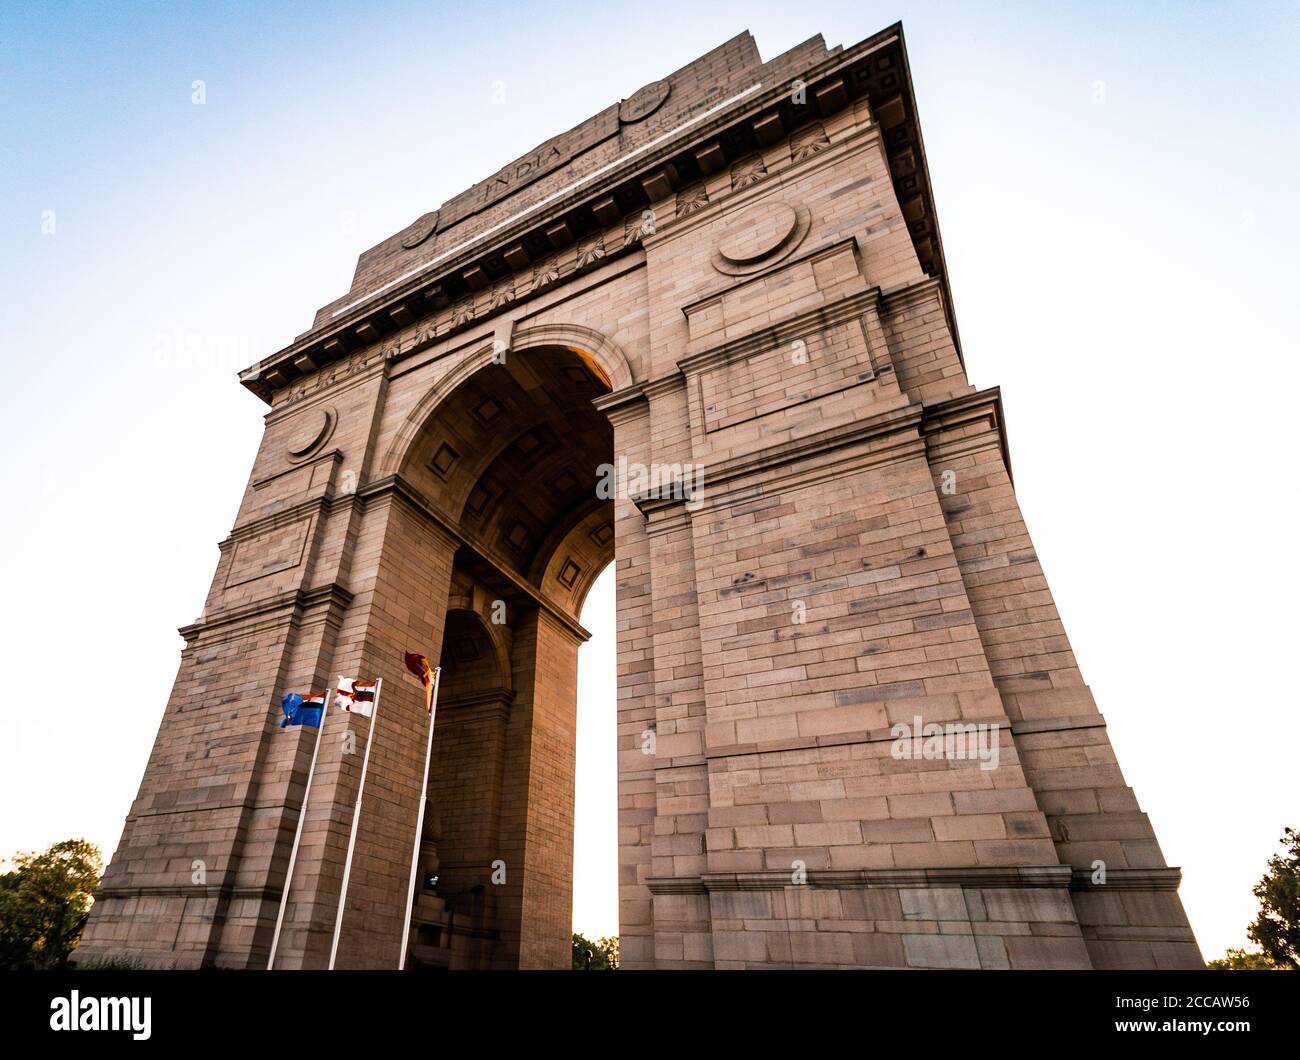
(1115, 184)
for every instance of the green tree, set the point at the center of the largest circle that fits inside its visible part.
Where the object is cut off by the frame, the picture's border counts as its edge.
(1276, 929)
(601, 956)
(1243, 961)
(44, 901)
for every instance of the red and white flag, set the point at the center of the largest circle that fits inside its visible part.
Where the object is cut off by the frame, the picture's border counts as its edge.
(355, 696)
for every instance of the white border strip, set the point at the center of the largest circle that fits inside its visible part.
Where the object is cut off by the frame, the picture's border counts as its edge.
(551, 198)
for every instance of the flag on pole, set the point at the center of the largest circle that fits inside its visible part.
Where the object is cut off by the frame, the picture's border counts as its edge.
(419, 666)
(361, 697)
(355, 696)
(302, 710)
(430, 678)
(299, 710)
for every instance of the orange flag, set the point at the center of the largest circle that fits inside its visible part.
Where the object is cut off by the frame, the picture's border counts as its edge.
(419, 666)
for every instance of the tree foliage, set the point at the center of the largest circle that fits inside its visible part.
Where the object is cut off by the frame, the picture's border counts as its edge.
(600, 956)
(44, 901)
(1276, 930)
(1243, 961)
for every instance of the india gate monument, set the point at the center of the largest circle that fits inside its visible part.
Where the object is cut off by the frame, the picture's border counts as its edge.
(706, 335)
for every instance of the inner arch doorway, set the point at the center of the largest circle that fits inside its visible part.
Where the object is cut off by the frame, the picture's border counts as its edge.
(516, 454)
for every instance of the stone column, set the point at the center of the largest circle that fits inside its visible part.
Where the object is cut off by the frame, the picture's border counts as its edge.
(637, 716)
(197, 874)
(402, 567)
(1125, 895)
(535, 901)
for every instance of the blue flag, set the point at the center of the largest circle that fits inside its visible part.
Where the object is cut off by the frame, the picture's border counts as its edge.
(300, 711)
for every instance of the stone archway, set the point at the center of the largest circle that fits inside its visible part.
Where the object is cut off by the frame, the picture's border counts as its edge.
(510, 452)
(735, 275)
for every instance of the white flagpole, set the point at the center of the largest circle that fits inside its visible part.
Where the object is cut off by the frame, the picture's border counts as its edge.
(419, 822)
(356, 815)
(297, 835)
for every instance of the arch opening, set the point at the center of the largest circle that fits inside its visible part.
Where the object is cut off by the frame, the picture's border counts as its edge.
(510, 459)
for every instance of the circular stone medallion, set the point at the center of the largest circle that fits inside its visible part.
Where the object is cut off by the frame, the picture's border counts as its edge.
(315, 431)
(420, 230)
(757, 232)
(643, 102)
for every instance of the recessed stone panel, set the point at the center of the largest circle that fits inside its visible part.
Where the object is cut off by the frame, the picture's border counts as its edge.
(267, 553)
(568, 574)
(444, 459)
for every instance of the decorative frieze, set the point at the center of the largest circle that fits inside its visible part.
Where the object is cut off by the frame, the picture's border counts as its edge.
(590, 251)
(808, 141)
(546, 272)
(747, 171)
(335, 373)
(691, 199)
(487, 297)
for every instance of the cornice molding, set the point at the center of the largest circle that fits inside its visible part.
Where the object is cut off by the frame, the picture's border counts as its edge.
(332, 595)
(1029, 726)
(854, 142)
(672, 383)
(493, 705)
(978, 406)
(335, 455)
(1153, 879)
(874, 71)
(838, 739)
(324, 504)
(122, 892)
(842, 310)
(395, 489)
(1033, 877)
(623, 406)
(900, 421)
(910, 294)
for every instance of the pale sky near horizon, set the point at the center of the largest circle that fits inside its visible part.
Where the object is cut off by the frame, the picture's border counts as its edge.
(1115, 190)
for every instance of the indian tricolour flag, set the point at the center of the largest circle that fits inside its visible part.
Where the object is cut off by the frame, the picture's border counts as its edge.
(355, 696)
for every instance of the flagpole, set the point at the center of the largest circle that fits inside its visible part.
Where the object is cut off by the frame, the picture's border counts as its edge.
(356, 815)
(297, 835)
(419, 822)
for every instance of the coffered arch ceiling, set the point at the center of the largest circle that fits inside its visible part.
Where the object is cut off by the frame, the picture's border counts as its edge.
(511, 459)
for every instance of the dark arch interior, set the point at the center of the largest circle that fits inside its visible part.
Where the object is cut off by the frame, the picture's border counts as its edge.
(510, 461)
